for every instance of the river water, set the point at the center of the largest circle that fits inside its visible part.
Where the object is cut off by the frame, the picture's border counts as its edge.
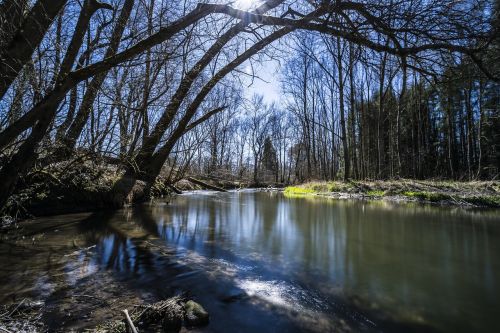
(263, 262)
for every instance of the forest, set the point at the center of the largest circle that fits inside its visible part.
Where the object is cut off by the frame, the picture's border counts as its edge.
(119, 100)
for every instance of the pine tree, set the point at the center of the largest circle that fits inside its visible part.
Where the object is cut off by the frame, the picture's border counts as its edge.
(269, 158)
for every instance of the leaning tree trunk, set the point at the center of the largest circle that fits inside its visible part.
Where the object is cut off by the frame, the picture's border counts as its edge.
(135, 184)
(26, 40)
(26, 155)
(24, 158)
(47, 107)
(83, 113)
(30, 118)
(72, 79)
(150, 142)
(151, 166)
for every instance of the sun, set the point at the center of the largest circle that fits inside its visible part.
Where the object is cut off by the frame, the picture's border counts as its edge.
(244, 4)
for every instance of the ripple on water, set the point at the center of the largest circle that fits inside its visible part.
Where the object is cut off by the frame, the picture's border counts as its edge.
(281, 293)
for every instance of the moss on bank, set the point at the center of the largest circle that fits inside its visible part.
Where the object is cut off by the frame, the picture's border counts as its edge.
(297, 190)
(427, 196)
(489, 201)
(375, 193)
(481, 194)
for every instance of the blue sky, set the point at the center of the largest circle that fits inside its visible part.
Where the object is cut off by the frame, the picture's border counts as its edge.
(269, 86)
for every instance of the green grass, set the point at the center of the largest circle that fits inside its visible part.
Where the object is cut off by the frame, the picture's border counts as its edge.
(427, 196)
(375, 193)
(484, 200)
(338, 187)
(296, 190)
(319, 187)
(445, 190)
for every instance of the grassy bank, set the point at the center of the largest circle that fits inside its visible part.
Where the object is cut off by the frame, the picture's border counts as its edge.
(479, 194)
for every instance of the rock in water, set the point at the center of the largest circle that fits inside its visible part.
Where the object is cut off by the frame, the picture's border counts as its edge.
(195, 314)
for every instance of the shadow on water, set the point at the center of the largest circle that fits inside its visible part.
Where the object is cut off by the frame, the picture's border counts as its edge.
(256, 262)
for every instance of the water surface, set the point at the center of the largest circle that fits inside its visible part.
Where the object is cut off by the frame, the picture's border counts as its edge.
(262, 262)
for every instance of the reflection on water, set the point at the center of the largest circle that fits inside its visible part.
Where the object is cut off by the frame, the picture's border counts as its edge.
(261, 261)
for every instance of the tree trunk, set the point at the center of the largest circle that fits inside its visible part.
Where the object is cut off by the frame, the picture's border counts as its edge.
(347, 161)
(83, 113)
(381, 100)
(26, 40)
(150, 143)
(26, 155)
(353, 112)
(30, 118)
(149, 168)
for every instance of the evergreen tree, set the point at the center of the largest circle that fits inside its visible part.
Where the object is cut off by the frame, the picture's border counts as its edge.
(269, 158)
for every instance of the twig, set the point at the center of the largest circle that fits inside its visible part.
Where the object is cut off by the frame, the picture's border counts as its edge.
(5, 330)
(17, 307)
(129, 321)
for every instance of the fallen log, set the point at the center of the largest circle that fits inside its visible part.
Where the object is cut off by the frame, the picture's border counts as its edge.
(205, 185)
(174, 189)
(130, 324)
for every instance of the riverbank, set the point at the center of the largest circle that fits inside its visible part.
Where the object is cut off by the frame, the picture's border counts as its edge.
(62, 189)
(466, 194)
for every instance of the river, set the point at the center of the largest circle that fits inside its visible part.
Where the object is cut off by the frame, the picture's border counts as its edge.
(263, 262)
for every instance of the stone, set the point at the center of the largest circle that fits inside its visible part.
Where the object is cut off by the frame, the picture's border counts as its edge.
(195, 314)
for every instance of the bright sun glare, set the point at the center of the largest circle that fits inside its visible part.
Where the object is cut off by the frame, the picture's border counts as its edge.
(244, 4)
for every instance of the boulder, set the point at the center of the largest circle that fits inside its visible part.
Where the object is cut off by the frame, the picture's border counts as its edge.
(195, 314)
